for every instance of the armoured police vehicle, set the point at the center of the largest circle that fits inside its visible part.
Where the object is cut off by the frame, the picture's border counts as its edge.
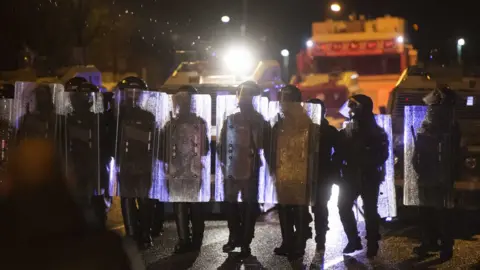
(414, 84)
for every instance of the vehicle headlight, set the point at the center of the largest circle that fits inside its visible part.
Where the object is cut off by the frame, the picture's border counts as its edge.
(470, 163)
(239, 61)
(395, 160)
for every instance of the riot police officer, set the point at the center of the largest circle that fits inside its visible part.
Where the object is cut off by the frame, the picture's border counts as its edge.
(136, 129)
(293, 149)
(186, 141)
(328, 173)
(40, 119)
(241, 141)
(85, 134)
(6, 120)
(436, 163)
(362, 152)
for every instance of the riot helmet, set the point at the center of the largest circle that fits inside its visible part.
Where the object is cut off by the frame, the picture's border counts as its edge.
(360, 107)
(7, 91)
(442, 95)
(131, 87)
(74, 83)
(132, 83)
(245, 93)
(290, 93)
(322, 105)
(182, 100)
(440, 112)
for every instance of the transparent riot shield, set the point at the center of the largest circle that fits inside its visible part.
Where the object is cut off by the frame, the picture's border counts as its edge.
(413, 118)
(241, 171)
(186, 142)
(85, 135)
(139, 117)
(37, 111)
(293, 152)
(6, 122)
(387, 203)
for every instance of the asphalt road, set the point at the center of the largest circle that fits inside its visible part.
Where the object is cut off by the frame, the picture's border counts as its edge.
(398, 240)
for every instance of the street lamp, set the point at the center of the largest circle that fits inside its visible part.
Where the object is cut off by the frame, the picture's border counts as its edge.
(285, 53)
(460, 44)
(225, 19)
(335, 7)
(309, 43)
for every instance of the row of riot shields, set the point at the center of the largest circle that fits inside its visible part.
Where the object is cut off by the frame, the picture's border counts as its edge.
(150, 144)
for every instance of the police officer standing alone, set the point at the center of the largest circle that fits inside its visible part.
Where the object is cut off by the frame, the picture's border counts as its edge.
(436, 163)
(362, 152)
(242, 138)
(327, 172)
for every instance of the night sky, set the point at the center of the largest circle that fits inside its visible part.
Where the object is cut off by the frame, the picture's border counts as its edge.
(286, 22)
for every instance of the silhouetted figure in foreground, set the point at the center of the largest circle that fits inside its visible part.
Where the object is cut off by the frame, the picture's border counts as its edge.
(42, 227)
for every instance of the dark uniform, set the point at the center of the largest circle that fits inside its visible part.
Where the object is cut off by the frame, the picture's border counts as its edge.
(136, 129)
(242, 138)
(6, 121)
(293, 148)
(85, 134)
(435, 161)
(328, 172)
(184, 148)
(362, 152)
(40, 121)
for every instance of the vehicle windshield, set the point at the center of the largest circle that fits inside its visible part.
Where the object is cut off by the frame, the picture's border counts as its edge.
(363, 65)
(210, 68)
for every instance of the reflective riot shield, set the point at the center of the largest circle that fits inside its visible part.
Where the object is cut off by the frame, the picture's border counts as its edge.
(84, 136)
(139, 118)
(37, 111)
(387, 203)
(293, 153)
(430, 158)
(242, 131)
(6, 121)
(186, 141)
(413, 119)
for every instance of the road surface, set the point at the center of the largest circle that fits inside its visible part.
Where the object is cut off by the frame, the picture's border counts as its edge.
(398, 240)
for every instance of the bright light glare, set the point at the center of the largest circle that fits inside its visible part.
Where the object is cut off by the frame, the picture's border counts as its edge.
(239, 61)
(400, 39)
(225, 19)
(461, 42)
(335, 7)
(285, 53)
(309, 43)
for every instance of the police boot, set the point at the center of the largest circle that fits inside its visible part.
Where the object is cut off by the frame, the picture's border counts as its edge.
(146, 210)
(302, 232)
(181, 220)
(353, 245)
(234, 226)
(250, 214)
(286, 228)
(159, 218)
(198, 225)
(372, 249)
(130, 217)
